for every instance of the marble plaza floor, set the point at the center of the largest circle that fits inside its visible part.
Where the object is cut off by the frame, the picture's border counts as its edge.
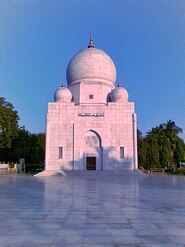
(92, 208)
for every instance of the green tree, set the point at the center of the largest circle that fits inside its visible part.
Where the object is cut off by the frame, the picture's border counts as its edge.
(153, 147)
(37, 148)
(22, 145)
(161, 146)
(166, 156)
(29, 146)
(8, 129)
(8, 123)
(172, 131)
(41, 142)
(142, 150)
(179, 152)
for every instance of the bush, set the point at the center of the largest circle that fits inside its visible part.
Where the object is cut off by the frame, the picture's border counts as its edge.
(180, 171)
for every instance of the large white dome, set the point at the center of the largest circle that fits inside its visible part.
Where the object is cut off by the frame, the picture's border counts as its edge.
(91, 64)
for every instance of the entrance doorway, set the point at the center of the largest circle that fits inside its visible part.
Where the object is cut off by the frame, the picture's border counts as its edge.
(91, 163)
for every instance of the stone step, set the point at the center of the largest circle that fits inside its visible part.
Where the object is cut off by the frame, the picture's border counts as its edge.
(48, 173)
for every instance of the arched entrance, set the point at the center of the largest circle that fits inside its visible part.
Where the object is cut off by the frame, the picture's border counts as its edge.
(92, 151)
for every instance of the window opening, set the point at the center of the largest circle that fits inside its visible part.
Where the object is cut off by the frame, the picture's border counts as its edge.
(60, 152)
(121, 152)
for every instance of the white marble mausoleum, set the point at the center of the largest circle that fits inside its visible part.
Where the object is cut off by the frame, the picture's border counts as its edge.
(91, 125)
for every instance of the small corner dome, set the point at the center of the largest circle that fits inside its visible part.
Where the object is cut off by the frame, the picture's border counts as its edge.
(91, 64)
(63, 94)
(119, 94)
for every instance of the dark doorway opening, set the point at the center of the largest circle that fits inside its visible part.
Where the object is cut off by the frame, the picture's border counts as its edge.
(91, 163)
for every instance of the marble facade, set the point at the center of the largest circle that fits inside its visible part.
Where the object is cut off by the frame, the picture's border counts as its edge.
(91, 125)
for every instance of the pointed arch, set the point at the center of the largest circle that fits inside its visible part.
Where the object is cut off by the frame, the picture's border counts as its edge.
(92, 149)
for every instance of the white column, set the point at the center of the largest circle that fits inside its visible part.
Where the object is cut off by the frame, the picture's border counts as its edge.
(47, 144)
(73, 146)
(134, 122)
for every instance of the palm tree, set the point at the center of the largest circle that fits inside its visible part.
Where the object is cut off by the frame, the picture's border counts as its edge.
(161, 146)
(172, 130)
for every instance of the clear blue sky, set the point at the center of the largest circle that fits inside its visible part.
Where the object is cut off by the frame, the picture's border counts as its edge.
(145, 38)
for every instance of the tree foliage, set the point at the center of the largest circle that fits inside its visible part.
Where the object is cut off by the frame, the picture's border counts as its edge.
(8, 123)
(15, 142)
(161, 146)
(29, 146)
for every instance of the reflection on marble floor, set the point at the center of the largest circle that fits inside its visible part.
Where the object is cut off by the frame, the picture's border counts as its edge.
(91, 208)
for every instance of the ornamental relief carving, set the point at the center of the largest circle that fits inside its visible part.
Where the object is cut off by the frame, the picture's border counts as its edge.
(91, 141)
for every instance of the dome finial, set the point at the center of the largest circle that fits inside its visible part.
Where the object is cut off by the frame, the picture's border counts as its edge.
(119, 84)
(91, 44)
(62, 85)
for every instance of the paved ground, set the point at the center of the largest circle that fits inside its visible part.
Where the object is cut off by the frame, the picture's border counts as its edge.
(92, 209)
